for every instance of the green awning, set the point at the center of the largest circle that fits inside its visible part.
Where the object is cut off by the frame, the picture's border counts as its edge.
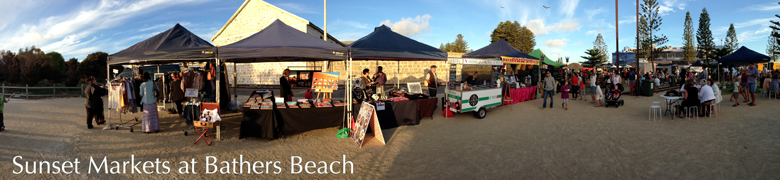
(538, 54)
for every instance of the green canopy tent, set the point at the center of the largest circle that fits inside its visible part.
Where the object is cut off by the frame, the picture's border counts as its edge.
(538, 54)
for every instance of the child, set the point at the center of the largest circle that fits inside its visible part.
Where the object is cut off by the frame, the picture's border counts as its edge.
(599, 96)
(735, 94)
(3, 101)
(565, 95)
(582, 90)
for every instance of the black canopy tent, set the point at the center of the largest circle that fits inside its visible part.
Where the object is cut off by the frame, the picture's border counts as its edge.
(384, 44)
(280, 42)
(496, 50)
(174, 45)
(744, 56)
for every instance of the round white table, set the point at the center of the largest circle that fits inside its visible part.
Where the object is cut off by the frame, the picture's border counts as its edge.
(669, 101)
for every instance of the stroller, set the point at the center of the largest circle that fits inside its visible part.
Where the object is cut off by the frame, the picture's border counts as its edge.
(613, 96)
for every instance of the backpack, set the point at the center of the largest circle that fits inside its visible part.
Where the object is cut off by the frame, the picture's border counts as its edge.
(673, 93)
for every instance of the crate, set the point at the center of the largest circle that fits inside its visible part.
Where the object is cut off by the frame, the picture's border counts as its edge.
(206, 124)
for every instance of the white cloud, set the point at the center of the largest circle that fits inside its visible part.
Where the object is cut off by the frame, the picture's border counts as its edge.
(410, 26)
(593, 12)
(556, 42)
(580, 43)
(762, 7)
(762, 22)
(758, 35)
(65, 33)
(667, 6)
(539, 29)
(345, 30)
(297, 8)
(568, 7)
(595, 32)
(628, 20)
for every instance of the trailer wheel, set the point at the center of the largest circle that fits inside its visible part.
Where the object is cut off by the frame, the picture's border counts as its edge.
(481, 113)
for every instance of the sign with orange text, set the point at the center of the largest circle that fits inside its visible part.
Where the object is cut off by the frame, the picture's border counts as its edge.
(514, 60)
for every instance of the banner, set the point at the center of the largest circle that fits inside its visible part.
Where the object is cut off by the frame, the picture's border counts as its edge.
(366, 118)
(514, 60)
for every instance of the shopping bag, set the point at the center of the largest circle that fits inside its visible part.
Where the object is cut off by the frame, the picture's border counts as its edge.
(343, 133)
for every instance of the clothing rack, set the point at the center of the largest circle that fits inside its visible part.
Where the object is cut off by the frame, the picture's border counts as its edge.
(121, 123)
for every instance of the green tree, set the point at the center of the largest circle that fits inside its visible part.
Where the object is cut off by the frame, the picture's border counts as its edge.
(94, 65)
(689, 43)
(441, 47)
(776, 35)
(718, 53)
(731, 39)
(772, 45)
(650, 21)
(72, 72)
(602, 47)
(520, 37)
(704, 37)
(594, 56)
(460, 45)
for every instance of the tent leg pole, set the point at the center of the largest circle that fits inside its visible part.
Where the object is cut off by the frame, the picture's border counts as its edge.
(218, 74)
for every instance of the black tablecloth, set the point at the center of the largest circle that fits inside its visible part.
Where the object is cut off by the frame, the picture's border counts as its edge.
(395, 114)
(426, 107)
(270, 123)
(260, 123)
(307, 119)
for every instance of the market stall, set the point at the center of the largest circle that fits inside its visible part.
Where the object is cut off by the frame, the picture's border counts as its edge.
(263, 117)
(385, 45)
(176, 45)
(479, 97)
(514, 88)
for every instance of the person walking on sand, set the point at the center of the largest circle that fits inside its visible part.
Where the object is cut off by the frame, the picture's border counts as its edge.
(735, 93)
(549, 89)
(593, 86)
(94, 102)
(565, 95)
(599, 96)
(3, 101)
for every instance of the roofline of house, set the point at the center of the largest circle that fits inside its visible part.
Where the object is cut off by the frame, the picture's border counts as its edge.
(242, 8)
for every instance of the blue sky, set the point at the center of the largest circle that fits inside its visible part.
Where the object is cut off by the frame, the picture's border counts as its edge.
(76, 28)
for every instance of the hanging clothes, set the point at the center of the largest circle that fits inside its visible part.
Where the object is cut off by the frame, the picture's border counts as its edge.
(115, 95)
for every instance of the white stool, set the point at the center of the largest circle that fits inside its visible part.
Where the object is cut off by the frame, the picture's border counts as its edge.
(676, 107)
(714, 108)
(653, 111)
(656, 103)
(694, 110)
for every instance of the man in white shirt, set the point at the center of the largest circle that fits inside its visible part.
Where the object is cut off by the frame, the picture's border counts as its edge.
(432, 81)
(707, 98)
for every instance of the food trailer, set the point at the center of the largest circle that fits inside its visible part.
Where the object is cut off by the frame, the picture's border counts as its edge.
(475, 98)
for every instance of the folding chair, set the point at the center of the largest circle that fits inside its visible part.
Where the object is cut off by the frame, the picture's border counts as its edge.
(204, 126)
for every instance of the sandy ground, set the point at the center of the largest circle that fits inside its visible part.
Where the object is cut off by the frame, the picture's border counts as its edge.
(584, 142)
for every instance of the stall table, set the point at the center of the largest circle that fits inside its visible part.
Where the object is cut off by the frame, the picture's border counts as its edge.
(270, 124)
(521, 94)
(395, 114)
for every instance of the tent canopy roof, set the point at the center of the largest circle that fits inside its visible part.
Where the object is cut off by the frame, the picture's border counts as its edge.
(384, 44)
(743, 56)
(280, 42)
(174, 45)
(496, 50)
(538, 52)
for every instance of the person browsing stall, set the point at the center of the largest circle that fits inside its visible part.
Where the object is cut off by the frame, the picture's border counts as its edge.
(177, 94)
(432, 80)
(150, 121)
(94, 102)
(365, 81)
(286, 87)
(380, 78)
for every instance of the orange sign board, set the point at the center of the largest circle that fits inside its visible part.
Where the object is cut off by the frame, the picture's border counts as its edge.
(325, 81)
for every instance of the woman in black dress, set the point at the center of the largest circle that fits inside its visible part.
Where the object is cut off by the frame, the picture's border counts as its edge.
(691, 95)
